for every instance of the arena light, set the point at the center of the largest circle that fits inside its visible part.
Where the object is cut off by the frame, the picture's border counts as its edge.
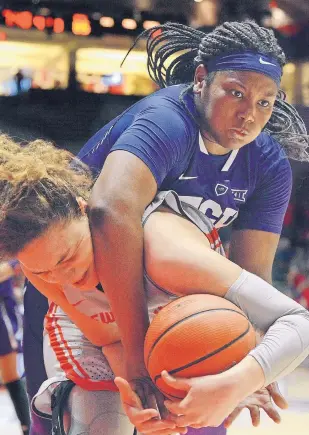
(23, 19)
(107, 22)
(58, 25)
(49, 22)
(81, 25)
(39, 22)
(129, 24)
(149, 24)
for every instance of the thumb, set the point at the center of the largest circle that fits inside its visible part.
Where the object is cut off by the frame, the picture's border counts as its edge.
(128, 396)
(277, 396)
(183, 384)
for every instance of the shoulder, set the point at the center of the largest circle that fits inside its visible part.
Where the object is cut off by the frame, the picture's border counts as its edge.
(270, 155)
(172, 99)
(167, 112)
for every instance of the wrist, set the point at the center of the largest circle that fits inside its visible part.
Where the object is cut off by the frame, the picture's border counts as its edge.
(134, 359)
(247, 376)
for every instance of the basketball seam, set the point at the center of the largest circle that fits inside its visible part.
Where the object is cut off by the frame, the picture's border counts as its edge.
(206, 356)
(182, 320)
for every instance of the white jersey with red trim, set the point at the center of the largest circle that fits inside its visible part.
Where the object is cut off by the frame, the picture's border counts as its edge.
(94, 303)
(68, 353)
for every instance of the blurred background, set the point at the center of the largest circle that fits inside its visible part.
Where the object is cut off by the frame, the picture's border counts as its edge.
(60, 79)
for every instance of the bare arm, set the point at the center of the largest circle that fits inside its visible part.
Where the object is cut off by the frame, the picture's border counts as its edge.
(122, 192)
(254, 251)
(179, 259)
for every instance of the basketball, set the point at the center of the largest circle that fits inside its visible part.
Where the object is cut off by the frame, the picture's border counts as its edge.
(196, 335)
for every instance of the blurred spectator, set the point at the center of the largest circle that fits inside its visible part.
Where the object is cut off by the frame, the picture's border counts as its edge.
(19, 76)
(9, 326)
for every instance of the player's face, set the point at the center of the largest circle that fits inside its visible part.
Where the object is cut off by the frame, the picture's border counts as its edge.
(235, 107)
(63, 255)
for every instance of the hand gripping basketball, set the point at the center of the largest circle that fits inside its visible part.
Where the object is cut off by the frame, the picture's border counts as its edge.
(194, 336)
(146, 421)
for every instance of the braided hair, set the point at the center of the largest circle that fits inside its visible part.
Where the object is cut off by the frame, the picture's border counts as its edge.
(175, 50)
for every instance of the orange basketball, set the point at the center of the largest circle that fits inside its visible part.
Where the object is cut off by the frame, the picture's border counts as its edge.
(196, 335)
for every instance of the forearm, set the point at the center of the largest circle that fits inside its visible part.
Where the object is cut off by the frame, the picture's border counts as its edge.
(118, 249)
(286, 324)
(114, 354)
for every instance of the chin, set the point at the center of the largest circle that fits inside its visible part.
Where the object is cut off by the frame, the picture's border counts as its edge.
(88, 285)
(87, 282)
(236, 145)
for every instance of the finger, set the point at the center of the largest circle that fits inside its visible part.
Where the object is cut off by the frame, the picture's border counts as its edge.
(138, 417)
(160, 427)
(128, 396)
(156, 426)
(255, 415)
(272, 413)
(196, 426)
(166, 432)
(160, 398)
(151, 402)
(174, 407)
(185, 421)
(181, 430)
(177, 383)
(277, 396)
(232, 417)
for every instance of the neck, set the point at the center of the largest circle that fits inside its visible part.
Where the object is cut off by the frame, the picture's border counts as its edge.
(210, 142)
(211, 145)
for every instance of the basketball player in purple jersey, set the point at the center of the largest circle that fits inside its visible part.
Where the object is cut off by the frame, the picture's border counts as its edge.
(8, 350)
(219, 134)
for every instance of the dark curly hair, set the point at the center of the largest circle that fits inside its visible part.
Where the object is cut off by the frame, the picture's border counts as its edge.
(175, 50)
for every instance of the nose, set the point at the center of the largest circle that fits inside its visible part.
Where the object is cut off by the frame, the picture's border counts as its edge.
(247, 113)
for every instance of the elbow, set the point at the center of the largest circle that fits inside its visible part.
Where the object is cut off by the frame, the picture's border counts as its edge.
(96, 212)
(102, 212)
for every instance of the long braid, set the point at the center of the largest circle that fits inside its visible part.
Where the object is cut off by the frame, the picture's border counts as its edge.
(289, 129)
(174, 51)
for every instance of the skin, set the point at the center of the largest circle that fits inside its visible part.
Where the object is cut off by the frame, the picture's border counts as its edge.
(6, 271)
(247, 98)
(177, 257)
(8, 368)
(63, 259)
(115, 212)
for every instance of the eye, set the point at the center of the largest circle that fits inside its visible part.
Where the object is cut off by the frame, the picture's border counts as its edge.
(236, 93)
(264, 103)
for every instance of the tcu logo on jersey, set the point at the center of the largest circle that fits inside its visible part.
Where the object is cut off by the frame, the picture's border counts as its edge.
(221, 189)
(213, 210)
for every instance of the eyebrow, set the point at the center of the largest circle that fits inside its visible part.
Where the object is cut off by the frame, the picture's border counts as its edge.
(64, 257)
(232, 81)
(37, 272)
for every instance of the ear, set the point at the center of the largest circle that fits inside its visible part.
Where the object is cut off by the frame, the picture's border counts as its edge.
(82, 205)
(199, 78)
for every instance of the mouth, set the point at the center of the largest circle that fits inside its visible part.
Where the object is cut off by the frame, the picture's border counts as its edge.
(241, 132)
